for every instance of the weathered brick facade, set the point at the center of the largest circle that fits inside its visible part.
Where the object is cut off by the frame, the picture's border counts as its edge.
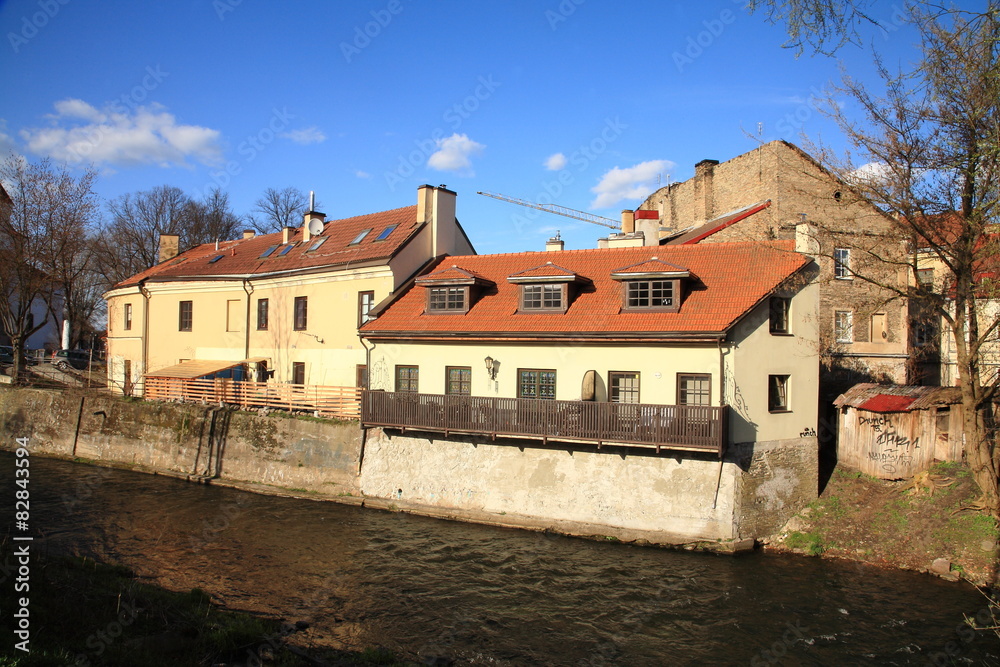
(799, 189)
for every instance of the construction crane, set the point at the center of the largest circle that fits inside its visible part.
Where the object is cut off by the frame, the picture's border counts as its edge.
(559, 210)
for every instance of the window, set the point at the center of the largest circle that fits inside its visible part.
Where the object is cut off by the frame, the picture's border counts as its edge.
(924, 333)
(925, 278)
(458, 381)
(215, 259)
(317, 243)
(267, 253)
(185, 316)
(298, 372)
(843, 326)
(779, 307)
(777, 393)
(447, 299)
(284, 251)
(536, 383)
(128, 316)
(385, 233)
(360, 237)
(361, 376)
(650, 294)
(542, 297)
(301, 313)
(842, 263)
(624, 387)
(366, 301)
(407, 378)
(262, 314)
(694, 389)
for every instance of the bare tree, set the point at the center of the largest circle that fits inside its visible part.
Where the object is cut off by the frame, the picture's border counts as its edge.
(44, 229)
(130, 241)
(823, 26)
(926, 151)
(277, 209)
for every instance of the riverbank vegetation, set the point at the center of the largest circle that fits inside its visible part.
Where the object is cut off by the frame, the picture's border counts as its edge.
(83, 612)
(906, 524)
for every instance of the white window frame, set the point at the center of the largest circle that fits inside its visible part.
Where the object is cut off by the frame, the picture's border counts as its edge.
(843, 334)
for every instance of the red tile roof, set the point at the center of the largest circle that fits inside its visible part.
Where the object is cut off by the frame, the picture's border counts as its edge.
(731, 279)
(243, 256)
(546, 270)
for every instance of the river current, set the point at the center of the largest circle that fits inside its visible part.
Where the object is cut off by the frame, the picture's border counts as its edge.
(479, 595)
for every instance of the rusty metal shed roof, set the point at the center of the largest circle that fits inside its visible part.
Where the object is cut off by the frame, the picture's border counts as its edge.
(896, 398)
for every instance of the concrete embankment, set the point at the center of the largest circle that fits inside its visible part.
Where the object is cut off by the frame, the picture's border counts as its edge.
(574, 489)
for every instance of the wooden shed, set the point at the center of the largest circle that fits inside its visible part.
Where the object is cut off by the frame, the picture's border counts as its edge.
(894, 432)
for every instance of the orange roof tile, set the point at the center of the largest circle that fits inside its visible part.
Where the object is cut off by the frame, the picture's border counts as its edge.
(731, 279)
(546, 270)
(243, 257)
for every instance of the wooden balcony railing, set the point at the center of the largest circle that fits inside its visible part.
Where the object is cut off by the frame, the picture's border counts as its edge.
(327, 401)
(634, 424)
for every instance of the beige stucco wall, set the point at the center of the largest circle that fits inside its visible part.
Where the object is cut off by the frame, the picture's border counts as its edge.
(667, 496)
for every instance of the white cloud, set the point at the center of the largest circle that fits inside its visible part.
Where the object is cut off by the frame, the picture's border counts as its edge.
(555, 162)
(454, 152)
(80, 132)
(362, 174)
(305, 136)
(630, 183)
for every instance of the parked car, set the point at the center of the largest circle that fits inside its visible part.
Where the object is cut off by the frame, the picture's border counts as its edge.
(66, 359)
(7, 356)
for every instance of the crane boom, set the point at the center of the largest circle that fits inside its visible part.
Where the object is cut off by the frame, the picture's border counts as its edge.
(558, 210)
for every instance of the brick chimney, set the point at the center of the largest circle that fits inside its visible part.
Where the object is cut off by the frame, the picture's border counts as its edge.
(555, 243)
(169, 246)
(286, 233)
(306, 219)
(249, 234)
(628, 221)
(436, 206)
(704, 193)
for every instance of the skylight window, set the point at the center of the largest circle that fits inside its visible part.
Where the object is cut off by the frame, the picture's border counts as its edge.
(267, 253)
(284, 251)
(360, 237)
(215, 259)
(385, 233)
(320, 241)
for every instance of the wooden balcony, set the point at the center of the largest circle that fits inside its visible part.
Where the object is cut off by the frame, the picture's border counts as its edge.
(673, 427)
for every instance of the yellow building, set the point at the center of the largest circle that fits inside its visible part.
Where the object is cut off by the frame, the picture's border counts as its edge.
(282, 307)
(688, 347)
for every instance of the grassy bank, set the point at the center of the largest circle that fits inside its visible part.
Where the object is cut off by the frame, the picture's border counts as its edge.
(906, 524)
(87, 613)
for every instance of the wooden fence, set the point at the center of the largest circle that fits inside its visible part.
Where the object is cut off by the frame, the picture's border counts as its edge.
(339, 402)
(699, 428)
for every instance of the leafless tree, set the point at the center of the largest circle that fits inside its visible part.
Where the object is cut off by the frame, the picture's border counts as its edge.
(45, 224)
(926, 151)
(129, 243)
(277, 209)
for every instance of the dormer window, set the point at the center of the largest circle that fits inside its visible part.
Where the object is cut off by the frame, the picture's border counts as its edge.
(651, 294)
(448, 299)
(451, 291)
(652, 285)
(543, 297)
(545, 289)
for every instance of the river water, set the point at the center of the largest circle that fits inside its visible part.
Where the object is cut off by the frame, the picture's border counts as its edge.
(479, 595)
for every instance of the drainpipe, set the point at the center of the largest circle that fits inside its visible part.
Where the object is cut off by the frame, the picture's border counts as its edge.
(145, 333)
(368, 373)
(248, 288)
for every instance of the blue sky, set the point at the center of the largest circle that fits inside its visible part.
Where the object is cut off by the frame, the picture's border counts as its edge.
(363, 101)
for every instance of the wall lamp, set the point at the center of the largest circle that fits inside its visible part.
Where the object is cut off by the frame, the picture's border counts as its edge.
(491, 367)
